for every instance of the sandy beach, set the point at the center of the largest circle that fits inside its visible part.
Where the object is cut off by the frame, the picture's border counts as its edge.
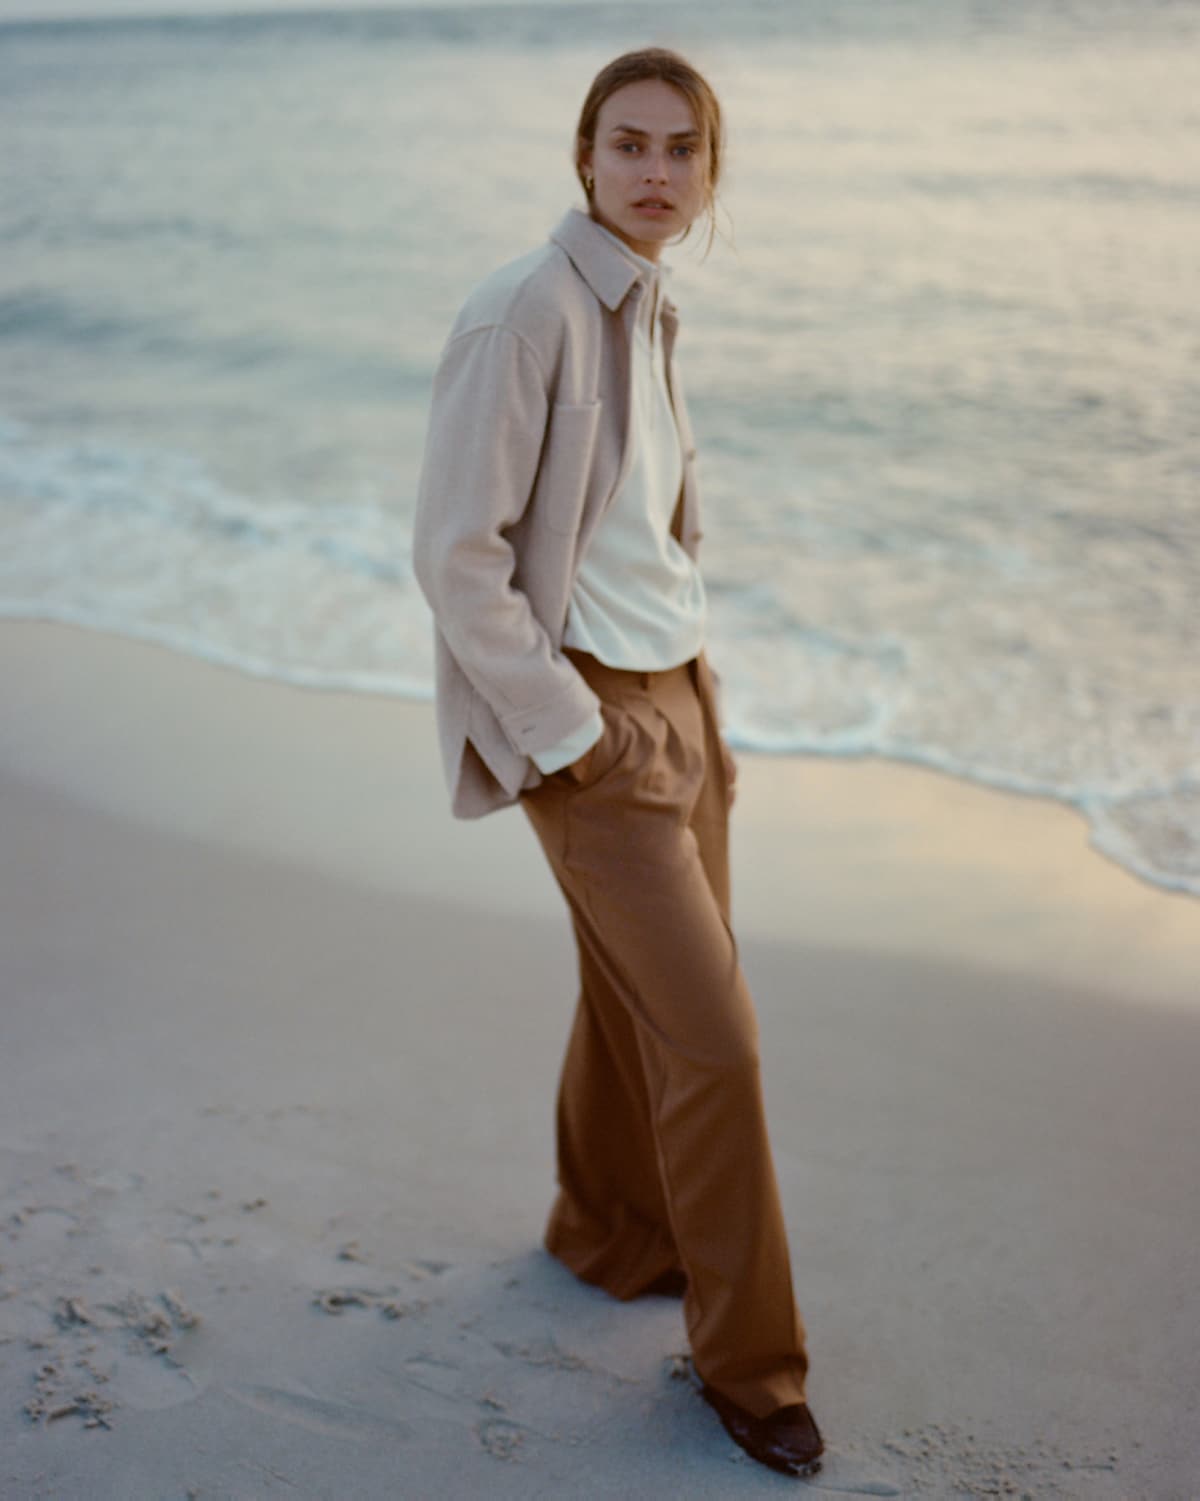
(278, 1048)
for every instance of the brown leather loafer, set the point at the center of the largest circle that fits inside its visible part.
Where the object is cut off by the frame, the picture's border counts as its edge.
(787, 1440)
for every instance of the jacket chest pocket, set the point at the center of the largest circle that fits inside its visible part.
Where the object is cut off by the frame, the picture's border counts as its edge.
(566, 464)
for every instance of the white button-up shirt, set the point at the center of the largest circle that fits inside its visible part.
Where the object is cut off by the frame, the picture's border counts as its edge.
(638, 600)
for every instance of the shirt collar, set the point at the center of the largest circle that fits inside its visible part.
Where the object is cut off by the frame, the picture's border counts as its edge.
(653, 269)
(605, 262)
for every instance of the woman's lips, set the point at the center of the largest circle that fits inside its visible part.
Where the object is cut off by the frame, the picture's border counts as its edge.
(656, 208)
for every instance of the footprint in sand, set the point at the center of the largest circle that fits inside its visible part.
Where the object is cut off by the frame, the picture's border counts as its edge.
(499, 1438)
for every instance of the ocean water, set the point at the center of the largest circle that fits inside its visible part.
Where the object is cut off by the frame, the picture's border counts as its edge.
(943, 360)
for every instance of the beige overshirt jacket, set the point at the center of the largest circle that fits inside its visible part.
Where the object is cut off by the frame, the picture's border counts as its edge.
(527, 444)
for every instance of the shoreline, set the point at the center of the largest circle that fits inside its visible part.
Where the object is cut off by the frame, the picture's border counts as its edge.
(312, 681)
(277, 1059)
(882, 846)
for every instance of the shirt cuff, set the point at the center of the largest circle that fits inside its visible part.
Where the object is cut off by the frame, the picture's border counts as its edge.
(569, 749)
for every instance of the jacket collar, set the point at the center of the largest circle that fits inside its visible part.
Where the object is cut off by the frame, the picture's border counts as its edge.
(609, 273)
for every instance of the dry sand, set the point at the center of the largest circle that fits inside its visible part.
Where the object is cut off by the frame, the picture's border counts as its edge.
(278, 1045)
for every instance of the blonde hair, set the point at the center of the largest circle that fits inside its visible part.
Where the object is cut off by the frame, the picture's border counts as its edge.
(667, 67)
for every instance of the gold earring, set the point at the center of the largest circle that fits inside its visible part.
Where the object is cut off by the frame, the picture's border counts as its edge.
(589, 182)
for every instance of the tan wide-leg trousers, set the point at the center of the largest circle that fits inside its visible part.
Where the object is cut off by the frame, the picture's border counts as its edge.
(663, 1157)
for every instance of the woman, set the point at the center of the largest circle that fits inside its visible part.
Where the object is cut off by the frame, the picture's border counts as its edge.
(555, 541)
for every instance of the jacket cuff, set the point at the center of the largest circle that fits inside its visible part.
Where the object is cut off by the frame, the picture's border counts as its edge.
(570, 747)
(540, 728)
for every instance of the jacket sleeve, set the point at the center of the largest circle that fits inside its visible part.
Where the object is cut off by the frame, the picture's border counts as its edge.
(486, 427)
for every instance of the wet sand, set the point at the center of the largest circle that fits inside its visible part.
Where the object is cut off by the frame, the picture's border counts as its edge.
(278, 1046)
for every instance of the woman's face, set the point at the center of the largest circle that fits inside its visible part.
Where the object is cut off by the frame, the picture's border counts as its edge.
(648, 162)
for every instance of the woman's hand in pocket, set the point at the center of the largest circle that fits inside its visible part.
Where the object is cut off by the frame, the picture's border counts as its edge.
(578, 770)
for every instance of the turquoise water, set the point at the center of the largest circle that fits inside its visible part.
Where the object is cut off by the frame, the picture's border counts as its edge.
(943, 363)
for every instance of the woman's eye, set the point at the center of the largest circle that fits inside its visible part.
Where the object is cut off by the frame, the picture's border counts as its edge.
(628, 146)
(685, 150)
